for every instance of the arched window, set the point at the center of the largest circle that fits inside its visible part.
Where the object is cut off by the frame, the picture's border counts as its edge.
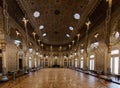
(92, 62)
(30, 62)
(81, 62)
(115, 61)
(76, 62)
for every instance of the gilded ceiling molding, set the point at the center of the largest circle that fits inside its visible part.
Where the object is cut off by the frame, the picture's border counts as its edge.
(90, 8)
(15, 25)
(27, 11)
(115, 18)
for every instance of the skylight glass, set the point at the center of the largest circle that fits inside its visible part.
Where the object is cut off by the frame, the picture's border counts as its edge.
(44, 34)
(68, 35)
(71, 28)
(36, 14)
(77, 16)
(41, 27)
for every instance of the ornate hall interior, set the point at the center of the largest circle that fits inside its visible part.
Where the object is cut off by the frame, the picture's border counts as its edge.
(59, 44)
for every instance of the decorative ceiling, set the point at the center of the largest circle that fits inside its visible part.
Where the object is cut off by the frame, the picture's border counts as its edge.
(57, 21)
(57, 16)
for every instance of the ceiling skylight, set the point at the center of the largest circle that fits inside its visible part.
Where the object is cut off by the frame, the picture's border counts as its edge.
(36, 14)
(68, 35)
(41, 27)
(44, 34)
(71, 28)
(77, 16)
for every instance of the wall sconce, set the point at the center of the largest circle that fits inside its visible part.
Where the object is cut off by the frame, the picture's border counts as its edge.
(78, 36)
(39, 41)
(17, 33)
(60, 48)
(46, 56)
(96, 35)
(88, 24)
(34, 34)
(65, 56)
(75, 54)
(73, 42)
(37, 53)
(69, 46)
(42, 46)
(51, 47)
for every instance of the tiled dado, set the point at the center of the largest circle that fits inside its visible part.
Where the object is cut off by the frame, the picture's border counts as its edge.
(58, 78)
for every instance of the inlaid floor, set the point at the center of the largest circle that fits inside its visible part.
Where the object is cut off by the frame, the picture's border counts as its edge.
(58, 78)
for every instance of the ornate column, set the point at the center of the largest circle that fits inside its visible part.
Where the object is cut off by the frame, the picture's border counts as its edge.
(78, 60)
(4, 76)
(67, 61)
(86, 45)
(26, 50)
(108, 32)
(73, 60)
(3, 41)
(50, 59)
(39, 61)
(60, 59)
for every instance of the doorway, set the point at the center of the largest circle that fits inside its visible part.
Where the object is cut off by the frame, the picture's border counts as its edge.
(41, 63)
(92, 64)
(20, 64)
(0, 64)
(55, 62)
(76, 63)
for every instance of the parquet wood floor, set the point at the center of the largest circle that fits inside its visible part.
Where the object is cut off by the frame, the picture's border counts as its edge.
(58, 78)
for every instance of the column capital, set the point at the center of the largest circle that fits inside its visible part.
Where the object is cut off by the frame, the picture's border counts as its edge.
(3, 45)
